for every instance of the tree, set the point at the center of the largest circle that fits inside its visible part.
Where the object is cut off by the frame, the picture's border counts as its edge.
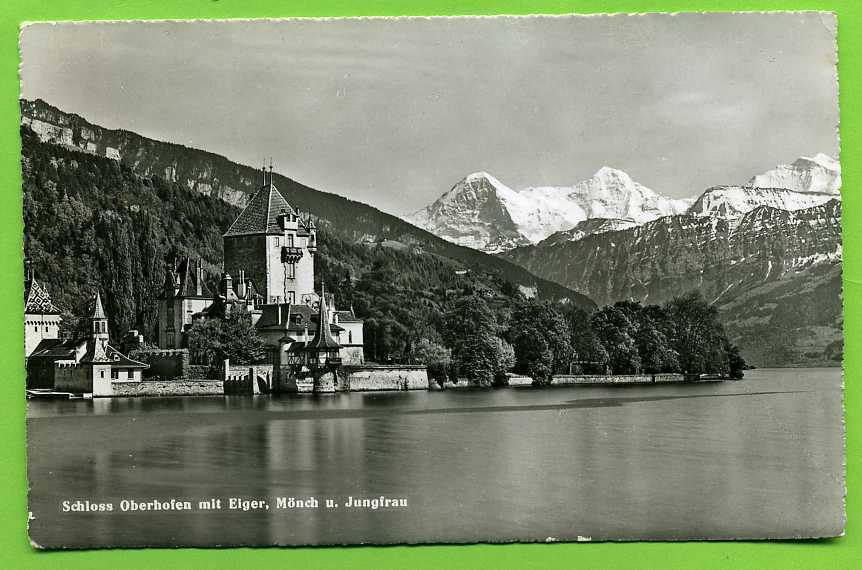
(540, 338)
(212, 340)
(700, 339)
(437, 358)
(204, 342)
(652, 333)
(240, 341)
(588, 355)
(469, 331)
(736, 364)
(616, 332)
(504, 355)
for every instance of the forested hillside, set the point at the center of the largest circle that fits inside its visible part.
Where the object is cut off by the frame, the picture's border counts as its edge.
(91, 222)
(210, 174)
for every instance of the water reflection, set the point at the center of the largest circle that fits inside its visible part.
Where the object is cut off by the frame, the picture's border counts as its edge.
(755, 458)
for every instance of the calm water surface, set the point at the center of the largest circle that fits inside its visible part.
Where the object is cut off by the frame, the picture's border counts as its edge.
(757, 458)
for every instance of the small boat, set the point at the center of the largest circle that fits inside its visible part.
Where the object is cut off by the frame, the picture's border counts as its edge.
(47, 394)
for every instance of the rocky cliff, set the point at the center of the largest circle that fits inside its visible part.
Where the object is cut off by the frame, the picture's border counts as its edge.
(774, 274)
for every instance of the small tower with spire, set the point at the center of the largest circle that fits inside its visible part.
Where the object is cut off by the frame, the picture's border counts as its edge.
(100, 320)
(99, 331)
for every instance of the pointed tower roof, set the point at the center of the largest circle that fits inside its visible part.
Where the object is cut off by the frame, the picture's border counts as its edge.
(37, 300)
(98, 311)
(260, 216)
(323, 335)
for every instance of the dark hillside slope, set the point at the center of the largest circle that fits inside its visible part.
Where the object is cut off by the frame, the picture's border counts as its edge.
(206, 173)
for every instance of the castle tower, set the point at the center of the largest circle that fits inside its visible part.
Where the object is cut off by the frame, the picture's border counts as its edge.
(272, 248)
(41, 318)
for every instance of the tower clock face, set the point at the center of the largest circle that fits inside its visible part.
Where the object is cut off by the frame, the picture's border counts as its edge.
(307, 299)
(315, 305)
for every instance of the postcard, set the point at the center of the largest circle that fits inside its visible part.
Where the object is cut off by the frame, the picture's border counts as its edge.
(432, 280)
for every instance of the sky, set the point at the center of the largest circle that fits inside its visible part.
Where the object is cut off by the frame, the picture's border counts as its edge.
(393, 112)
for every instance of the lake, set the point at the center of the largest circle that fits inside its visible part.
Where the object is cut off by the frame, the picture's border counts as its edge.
(751, 459)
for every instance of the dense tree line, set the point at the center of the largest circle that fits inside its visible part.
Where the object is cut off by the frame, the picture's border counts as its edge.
(544, 339)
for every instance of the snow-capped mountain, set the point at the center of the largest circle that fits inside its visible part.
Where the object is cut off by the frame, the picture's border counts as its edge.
(475, 213)
(734, 201)
(483, 213)
(820, 174)
(805, 183)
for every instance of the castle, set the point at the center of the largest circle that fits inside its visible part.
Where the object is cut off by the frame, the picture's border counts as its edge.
(269, 273)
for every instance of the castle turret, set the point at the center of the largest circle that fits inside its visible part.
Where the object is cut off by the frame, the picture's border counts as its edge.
(99, 320)
(323, 348)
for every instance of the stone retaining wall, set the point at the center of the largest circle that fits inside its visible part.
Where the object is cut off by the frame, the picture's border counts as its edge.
(378, 377)
(168, 388)
(564, 379)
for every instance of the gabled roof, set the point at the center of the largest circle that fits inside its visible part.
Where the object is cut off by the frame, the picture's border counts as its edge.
(37, 301)
(56, 349)
(112, 356)
(260, 216)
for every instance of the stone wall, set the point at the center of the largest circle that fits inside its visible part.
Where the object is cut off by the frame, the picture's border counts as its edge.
(247, 379)
(165, 364)
(563, 379)
(372, 378)
(168, 388)
(73, 378)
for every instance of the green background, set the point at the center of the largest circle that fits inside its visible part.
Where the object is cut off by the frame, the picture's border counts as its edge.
(15, 551)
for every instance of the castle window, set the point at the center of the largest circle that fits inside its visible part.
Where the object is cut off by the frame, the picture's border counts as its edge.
(46, 328)
(350, 337)
(289, 240)
(277, 242)
(115, 374)
(35, 328)
(101, 373)
(291, 270)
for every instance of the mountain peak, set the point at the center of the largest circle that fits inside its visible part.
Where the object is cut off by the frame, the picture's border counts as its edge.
(811, 174)
(610, 172)
(483, 213)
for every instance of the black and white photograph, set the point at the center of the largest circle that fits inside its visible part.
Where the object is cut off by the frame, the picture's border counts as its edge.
(368, 281)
